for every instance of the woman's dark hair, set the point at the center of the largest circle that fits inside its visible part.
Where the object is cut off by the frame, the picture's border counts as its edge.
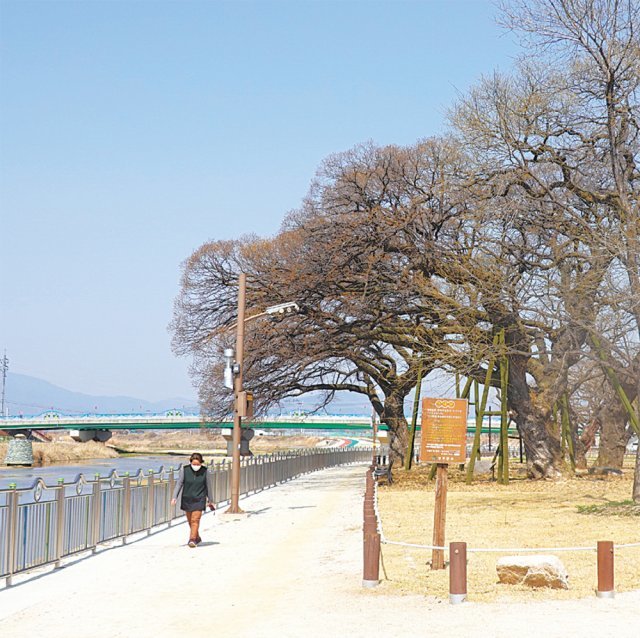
(196, 456)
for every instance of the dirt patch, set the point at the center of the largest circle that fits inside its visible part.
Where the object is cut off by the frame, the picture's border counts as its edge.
(522, 514)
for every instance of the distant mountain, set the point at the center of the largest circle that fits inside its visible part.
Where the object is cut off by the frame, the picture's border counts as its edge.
(29, 396)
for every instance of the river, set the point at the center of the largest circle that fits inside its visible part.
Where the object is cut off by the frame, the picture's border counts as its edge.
(25, 476)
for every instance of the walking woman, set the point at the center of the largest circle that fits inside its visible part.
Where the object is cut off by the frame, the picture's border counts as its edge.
(192, 482)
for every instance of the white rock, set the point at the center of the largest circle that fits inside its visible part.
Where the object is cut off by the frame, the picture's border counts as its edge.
(534, 571)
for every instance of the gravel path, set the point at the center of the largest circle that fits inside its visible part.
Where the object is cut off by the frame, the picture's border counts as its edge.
(291, 567)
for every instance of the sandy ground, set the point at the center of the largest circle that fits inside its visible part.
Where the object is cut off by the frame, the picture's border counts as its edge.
(292, 567)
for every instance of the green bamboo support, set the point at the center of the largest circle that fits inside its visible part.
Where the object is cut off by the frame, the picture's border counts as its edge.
(503, 459)
(617, 386)
(467, 388)
(414, 420)
(567, 439)
(480, 410)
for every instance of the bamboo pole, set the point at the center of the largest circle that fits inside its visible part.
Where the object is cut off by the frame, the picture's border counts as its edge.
(467, 387)
(617, 386)
(414, 419)
(503, 462)
(567, 440)
(480, 410)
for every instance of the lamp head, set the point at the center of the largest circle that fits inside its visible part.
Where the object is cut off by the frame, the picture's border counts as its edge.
(228, 368)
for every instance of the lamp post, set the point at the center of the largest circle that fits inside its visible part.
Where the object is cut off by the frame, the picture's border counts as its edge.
(233, 377)
(234, 508)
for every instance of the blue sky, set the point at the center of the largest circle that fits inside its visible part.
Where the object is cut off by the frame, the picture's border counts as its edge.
(133, 132)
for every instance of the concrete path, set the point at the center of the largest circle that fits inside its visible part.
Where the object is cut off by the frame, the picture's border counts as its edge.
(291, 568)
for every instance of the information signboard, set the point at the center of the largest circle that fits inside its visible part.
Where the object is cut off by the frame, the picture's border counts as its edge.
(444, 430)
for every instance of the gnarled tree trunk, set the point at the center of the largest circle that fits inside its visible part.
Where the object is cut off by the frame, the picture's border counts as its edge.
(393, 416)
(544, 455)
(614, 435)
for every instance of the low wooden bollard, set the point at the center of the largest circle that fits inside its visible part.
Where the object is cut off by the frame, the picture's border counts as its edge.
(457, 573)
(605, 570)
(370, 540)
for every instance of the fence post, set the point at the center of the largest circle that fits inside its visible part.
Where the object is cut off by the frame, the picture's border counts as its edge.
(605, 570)
(457, 573)
(150, 502)
(126, 506)
(370, 538)
(12, 532)
(170, 487)
(96, 507)
(60, 503)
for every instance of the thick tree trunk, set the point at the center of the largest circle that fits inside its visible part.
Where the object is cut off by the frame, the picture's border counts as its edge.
(393, 416)
(614, 435)
(544, 455)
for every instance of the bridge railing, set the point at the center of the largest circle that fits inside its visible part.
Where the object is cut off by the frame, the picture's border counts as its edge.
(42, 524)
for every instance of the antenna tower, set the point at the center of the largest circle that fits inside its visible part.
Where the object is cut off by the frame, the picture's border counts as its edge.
(4, 363)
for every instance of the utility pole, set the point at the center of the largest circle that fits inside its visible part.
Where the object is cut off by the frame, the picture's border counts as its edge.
(234, 508)
(5, 367)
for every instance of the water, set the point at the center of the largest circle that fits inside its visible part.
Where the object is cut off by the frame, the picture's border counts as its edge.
(25, 476)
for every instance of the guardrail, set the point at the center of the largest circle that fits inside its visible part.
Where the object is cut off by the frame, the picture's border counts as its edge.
(68, 518)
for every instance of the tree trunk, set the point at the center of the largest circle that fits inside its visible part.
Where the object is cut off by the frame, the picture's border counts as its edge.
(544, 455)
(585, 442)
(614, 435)
(393, 416)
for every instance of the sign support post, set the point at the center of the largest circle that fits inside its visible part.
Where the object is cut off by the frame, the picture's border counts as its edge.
(444, 441)
(440, 516)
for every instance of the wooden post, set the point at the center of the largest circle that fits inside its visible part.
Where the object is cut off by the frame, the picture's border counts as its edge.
(370, 538)
(605, 570)
(439, 516)
(457, 573)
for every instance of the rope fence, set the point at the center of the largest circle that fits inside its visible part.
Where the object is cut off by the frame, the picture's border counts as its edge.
(486, 550)
(373, 538)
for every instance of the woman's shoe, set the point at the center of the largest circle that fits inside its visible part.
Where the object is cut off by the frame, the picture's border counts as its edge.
(192, 542)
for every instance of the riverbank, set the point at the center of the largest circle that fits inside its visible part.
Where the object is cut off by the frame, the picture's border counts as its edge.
(203, 441)
(64, 451)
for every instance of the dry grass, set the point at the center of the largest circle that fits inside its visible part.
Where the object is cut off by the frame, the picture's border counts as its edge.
(65, 451)
(154, 442)
(521, 514)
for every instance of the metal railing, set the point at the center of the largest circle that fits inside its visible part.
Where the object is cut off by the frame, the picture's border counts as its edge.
(67, 518)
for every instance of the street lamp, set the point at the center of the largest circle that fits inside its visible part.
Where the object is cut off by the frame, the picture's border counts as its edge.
(233, 372)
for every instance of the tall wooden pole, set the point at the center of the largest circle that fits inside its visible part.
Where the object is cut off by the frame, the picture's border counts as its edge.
(234, 508)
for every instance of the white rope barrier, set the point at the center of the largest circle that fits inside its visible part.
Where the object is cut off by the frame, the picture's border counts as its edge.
(487, 550)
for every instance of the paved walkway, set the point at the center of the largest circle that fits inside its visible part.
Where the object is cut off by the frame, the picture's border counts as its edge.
(291, 568)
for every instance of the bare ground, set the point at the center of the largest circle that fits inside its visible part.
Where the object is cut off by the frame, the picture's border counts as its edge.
(573, 512)
(291, 568)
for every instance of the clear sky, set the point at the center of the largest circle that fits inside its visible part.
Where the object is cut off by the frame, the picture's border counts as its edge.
(133, 132)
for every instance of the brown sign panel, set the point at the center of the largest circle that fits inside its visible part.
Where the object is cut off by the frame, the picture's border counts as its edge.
(444, 430)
